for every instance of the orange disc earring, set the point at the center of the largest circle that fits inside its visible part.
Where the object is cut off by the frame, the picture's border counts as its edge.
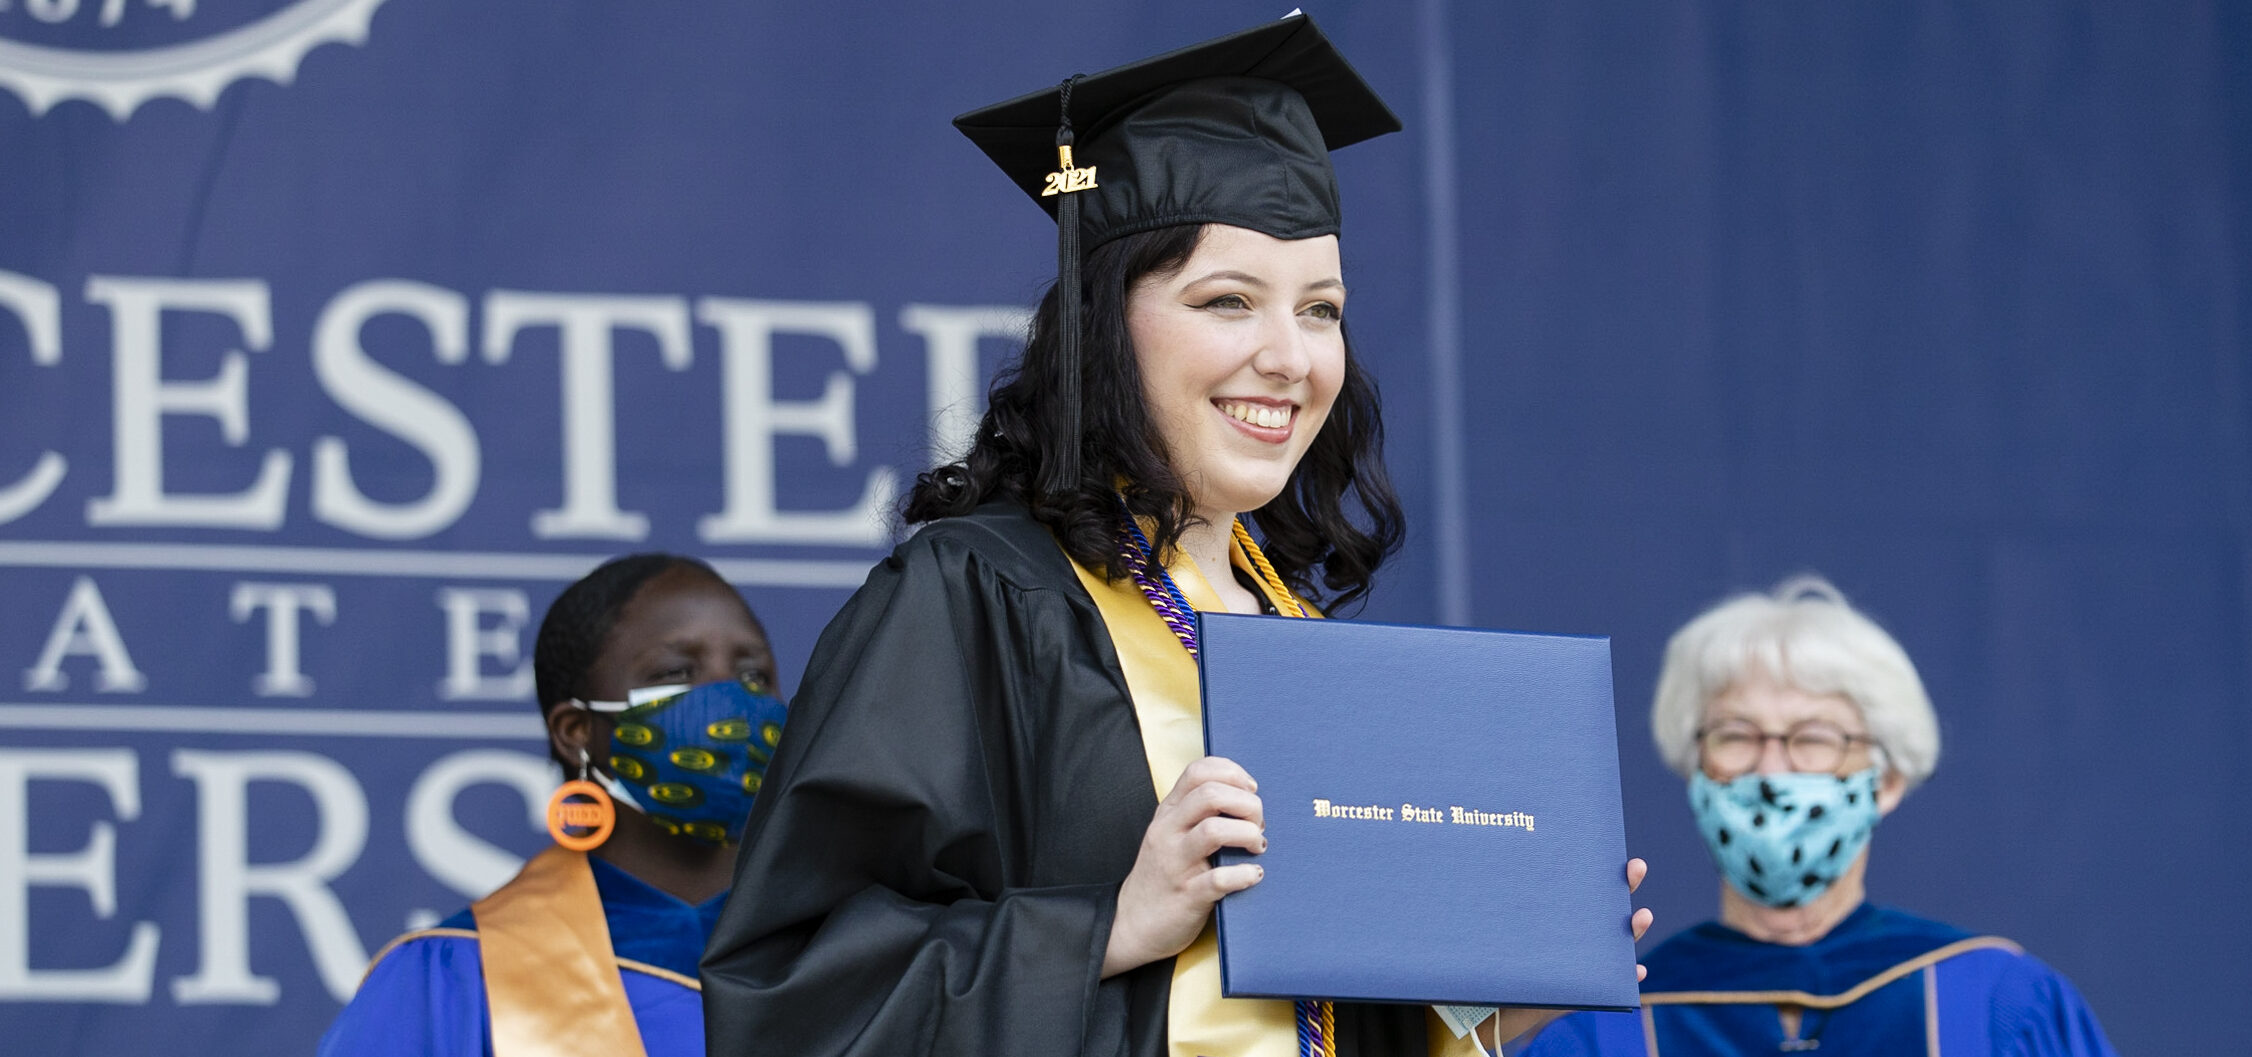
(581, 815)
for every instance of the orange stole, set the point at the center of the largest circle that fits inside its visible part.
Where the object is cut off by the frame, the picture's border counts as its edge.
(551, 979)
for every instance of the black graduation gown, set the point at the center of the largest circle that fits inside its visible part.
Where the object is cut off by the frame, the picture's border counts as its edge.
(933, 862)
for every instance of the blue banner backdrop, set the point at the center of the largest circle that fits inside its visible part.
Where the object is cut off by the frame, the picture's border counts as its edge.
(337, 335)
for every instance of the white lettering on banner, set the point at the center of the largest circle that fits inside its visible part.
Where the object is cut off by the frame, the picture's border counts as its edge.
(391, 402)
(469, 642)
(37, 306)
(85, 628)
(140, 398)
(587, 324)
(950, 337)
(463, 862)
(754, 418)
(92, 868)
(284, 676)
(227, 880)
(353, 371)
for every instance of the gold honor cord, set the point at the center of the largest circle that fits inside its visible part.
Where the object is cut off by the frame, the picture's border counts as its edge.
(1285, 602)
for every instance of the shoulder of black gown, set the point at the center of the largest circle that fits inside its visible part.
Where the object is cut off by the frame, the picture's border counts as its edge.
(1004, 538)
(932, 862)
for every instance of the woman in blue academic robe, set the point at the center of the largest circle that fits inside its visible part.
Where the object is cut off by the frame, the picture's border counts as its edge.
(652, 674)
(1799, 723)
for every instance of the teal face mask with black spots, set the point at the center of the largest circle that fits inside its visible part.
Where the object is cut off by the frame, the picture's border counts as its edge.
(692, 757)
(1784, 838)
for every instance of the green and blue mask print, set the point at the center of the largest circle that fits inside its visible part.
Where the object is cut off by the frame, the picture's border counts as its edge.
(692, 757)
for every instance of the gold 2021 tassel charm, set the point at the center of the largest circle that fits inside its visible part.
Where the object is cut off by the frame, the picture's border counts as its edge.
(1069, 178)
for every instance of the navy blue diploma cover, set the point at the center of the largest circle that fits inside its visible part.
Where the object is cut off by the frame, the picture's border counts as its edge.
(1443, 814)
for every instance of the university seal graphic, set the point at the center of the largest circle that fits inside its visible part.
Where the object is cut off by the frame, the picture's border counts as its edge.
(118, 54)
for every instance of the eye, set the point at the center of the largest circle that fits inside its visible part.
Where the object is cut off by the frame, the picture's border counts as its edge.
(757, 674)
(1325, 310)
(670, 673)
(1228, 303)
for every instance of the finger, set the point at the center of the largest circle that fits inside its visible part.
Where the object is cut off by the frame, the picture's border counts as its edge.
(1223, 880)
(1219, 798)
(1642, 920)
(1640, 973)
(1215, 769)
(1636, 870)
(1219, 832)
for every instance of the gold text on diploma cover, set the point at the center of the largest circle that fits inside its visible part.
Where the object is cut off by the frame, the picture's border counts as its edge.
(1452, 815)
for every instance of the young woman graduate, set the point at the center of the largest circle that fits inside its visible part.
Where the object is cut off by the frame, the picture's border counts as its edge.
(988, 830)
(656, 683)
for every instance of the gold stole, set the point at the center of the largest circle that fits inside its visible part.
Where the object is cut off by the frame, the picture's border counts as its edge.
(551, 980)
(1168, 703)
(1161, 677)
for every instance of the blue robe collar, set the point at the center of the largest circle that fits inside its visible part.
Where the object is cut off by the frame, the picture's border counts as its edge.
(650, 925)
(646, 923)
(1872, 939)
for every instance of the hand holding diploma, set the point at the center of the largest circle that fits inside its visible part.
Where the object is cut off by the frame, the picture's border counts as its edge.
(1168, 896)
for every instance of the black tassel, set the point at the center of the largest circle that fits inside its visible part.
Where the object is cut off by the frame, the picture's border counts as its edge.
(1063, 473)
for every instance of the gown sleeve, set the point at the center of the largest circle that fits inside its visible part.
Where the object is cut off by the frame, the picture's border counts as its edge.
(425, 997)
(888, 899)
(2038, 1013)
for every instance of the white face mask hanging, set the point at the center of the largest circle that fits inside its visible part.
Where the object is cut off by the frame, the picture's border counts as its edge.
(635, 698)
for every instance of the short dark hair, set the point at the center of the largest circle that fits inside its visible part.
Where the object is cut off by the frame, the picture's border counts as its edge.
(1311, 535)
(578, 623)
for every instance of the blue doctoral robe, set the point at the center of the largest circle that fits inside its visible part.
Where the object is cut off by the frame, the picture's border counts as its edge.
(1993, 999)
(426, 994)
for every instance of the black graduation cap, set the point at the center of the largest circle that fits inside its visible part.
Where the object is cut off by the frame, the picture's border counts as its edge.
(1236, 130)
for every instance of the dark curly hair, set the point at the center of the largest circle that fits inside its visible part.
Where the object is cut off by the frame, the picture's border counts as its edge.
(1312, 534)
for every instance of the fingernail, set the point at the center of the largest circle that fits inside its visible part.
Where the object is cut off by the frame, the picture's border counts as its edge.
(1261, 872)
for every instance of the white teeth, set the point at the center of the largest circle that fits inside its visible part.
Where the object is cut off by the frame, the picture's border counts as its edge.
(1257, 414)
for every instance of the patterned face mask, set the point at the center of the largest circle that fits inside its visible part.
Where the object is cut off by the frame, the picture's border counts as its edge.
(1783, 839)
(692, 757)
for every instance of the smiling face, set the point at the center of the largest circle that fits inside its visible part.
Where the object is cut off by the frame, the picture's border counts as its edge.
(1241, 355)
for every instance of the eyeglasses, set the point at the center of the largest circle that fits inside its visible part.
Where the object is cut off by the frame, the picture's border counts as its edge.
(1733, 746)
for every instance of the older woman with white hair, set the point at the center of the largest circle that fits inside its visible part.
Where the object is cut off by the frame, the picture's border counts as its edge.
(1799, 723)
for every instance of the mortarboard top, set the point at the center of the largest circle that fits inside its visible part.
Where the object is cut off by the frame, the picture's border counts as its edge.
(1234, 130)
